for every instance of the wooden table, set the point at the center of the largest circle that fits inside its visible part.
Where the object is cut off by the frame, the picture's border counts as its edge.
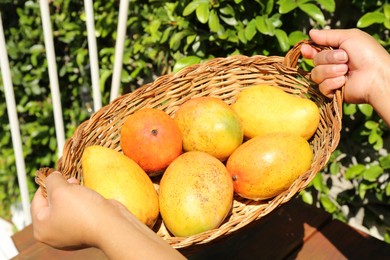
(293, 231)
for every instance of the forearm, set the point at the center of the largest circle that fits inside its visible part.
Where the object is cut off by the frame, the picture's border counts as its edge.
(128, 238)
(379, 98)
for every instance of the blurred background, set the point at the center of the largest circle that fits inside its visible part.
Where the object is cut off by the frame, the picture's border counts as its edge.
(162, 37)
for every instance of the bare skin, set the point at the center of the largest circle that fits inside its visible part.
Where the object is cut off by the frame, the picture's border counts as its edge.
(68, 219)
(358, 61)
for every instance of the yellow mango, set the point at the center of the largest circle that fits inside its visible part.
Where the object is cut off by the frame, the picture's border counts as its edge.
(265, 109)
(118, 177)
(267, 165)
(196, 194)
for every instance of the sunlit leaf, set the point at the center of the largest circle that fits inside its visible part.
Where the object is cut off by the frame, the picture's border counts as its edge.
(372, 173)
(328, 204)
(250, 30)
(334, 168)
(203, 12)
(282, 39)
(318, 183)
(296, 36)
(314, 12)
(349, 109)
(354, 171)
(388, 189)
(186, 61)
(386, 11)
(328, 5)
(190, 8)
(385, 162)
(264, 25)
(229, 20)
(371, 18)
(366, 109)
(227, 10)
(307, 197)
(286, 6)
(214, 21)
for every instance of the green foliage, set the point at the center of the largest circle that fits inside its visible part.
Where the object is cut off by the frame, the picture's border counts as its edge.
(164, 37)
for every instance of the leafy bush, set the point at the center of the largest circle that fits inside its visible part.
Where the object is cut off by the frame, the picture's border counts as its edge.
(165, 36)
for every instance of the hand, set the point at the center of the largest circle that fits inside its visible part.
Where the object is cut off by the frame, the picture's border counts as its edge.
(73, 216)
(66, 217)
(358, 61)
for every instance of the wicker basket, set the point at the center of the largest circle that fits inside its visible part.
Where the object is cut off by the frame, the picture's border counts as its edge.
(223, 78)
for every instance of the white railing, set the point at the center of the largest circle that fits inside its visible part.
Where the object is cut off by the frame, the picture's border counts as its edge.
(54, 86)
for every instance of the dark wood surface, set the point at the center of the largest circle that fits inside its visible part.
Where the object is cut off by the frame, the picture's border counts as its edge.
(293, 231)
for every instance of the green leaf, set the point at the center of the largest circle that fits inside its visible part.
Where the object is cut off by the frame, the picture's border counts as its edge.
(241, 34)
(379, 143)
(203, 12)
(387, 23)
(314, 12)
(366, 109)
(296, 36)
(371, 18)
(363, 188)
(269, 6)
(250, 30)
(328, 204)
(190, 8)
(354, 171)
(385, 162)
(282, 39)
(214, 21)
(318, 183)
(187, 61)
(372, 173)
(349, 109)
(386, 11)
(307, 197)
(229, 20)
(328, 5)
(286, 6)
(228, 10)
(275, 20)
(371, 125)
(174, 42)
(264, 25)
(373, 137)
(334, 168)
(388, 189)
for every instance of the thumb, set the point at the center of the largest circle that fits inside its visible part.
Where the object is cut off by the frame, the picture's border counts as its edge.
(54, 181)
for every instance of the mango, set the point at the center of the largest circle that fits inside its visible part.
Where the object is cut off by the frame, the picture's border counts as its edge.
(208, 124)
(265, 109)
(267, 165)
(115, 176)
(196, 194)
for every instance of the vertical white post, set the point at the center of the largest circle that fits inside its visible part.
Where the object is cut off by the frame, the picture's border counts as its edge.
(14, 124)
(52, 66)
(93, 54)
(119, 46)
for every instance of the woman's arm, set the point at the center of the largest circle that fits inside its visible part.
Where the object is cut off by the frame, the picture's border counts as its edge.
(74, 216)
(358, 61)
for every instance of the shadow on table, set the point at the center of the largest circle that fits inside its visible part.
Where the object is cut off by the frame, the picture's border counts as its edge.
(294, 230)
(275, 236)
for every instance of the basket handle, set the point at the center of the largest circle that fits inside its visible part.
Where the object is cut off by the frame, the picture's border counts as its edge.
(40, 177)
(293, 55)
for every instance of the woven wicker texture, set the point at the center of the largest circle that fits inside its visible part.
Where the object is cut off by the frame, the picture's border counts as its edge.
(223, 78)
